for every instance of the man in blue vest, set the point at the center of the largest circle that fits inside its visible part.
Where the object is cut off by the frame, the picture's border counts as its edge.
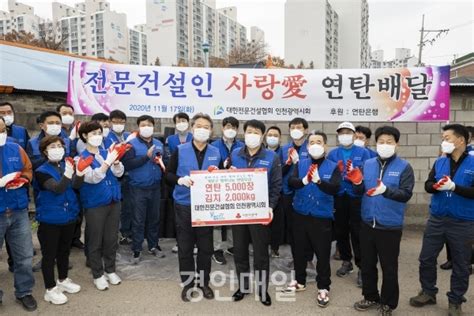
(226, 145)
(316, 181)
(145, 167)
(362, 139)
(470, 147)
(16, 132)
(182, 136)
(255, 155)
(451, 183)
(348, 202)
(387, 185)
(195, 155)
(15, 174)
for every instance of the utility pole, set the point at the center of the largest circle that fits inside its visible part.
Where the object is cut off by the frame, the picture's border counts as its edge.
(423, 41)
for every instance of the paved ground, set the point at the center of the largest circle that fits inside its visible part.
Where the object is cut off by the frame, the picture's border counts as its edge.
(152, 288)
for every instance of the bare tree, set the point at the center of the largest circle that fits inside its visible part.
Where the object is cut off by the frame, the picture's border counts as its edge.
(51, 36)
(21, 37)
(248, 54)
(216, 62)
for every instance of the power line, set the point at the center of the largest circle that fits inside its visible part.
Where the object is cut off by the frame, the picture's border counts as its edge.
(425, 40)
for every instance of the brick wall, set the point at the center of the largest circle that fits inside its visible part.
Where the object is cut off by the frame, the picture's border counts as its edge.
(419, 142)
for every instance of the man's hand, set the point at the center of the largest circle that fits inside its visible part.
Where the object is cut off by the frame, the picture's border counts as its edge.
(212, 168)
(132, 135)
(379, 189)
(9, 177)
(150, 152)
(75, 131)
(355, 176)
(159, 161)
(186, 181)
(312, 175)
(293, 156)
(340, 166)
(16, 183)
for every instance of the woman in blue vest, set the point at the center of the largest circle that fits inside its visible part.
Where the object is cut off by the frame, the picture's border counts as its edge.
(255, 155)
(56, 211)
(100, 196)
(451, 183)
(387, 185)
(195, 155)
(316, 180)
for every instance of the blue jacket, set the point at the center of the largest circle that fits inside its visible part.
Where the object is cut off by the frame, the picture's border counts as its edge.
(186, 163)
(20, 134)
(173, 141)
(113, 138)
(34, 153)
(379, 209)
(103, 193)
(15, 200)
(223, 150)
(53, 208)
(310, 200)
(303, 154)
(449, 203)
(358, 156)
(149, 174)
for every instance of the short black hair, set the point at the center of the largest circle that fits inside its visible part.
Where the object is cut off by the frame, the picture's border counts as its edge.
(118, 115)
(275, 128)
(146, 118)
(88, 127)
(201, 116)
(364, 130)
(320, 133)
(387, 130)
(9, 104)
(470, 129)
(255, 124)
(99, 117)
(299, 120)
(230, 120)
(66, 105)
(458, 130)
(180, 115)
(47, 140)
(47, 114)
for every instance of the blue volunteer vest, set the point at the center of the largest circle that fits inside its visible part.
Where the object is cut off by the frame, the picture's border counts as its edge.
(113, 138)
(55, 208)
(148, 174)
(310, 200)
(186, 163)
(14, 200)
(448, 203)
(239, 160)
(223, 150)
(303, 154)
(358, 156)
(173, 141)
(103, 193)
(386, 212)
(19, 133)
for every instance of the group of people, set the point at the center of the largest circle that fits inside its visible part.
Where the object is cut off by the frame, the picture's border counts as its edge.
(113, 178)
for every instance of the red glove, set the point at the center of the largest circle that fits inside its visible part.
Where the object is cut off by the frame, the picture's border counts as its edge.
(340, 166)
(293, 156)
(310, 173)
(355, 176)
(16, 183)
(70, 160)
(84, 163)
(159, 161)
(122, 149)
(349, 166)
(440, 183)
(212, 168)
(379, 189)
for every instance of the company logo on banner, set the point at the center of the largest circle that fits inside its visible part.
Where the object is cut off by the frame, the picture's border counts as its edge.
(400, 94)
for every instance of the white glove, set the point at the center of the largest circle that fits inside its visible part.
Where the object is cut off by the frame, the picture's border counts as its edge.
(312, 175)
(68, 170)
(131, 136)
(186, 181)
(83, 172)
(8, 177)
(294, 156)
(379, 189)
(111, 157)
(446, 184)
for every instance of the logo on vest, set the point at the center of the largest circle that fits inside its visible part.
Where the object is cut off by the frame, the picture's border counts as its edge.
(13, 159)
(213, 158)
(264, 162)
(394, 174)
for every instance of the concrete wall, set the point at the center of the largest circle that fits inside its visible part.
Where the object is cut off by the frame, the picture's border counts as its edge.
(419, 142)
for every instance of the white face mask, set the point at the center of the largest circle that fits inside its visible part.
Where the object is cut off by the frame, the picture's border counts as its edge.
(385, 151)
(316, 151)
(9, 119)
(359, 143)
(252, 140)
(118, 128)
(95, 140)
(3, 139)
(345, 139)
(146, 131)
(55, 154)
(447, 147)
(296, 134)
(201, 134)
(182, 126)
(105, 131)
(230, 133)
(272, 141)
(67, 119)
(53, 129)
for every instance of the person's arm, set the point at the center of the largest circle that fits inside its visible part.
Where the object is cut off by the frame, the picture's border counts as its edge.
(430, 182)
(77, 182)
(405, 190)
(27, 171)
(466, 192)
(131, 161)
(170, 176)
(331, 187)
(47, 182)
(294, 181)
(275, 183)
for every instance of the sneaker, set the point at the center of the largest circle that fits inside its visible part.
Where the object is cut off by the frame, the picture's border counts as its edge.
(323, 298)
(195, 251)
(68, 286)
(385, 310)
(125, 241)
(156, 251)
(345, 269)
(454, 310)
(55, 296)
(101, 283)
(207, 292)
(230, 251)
(359, 279)
(218, 257)
(293, 287)
(275, 254)
(136, 257)
(28, 302)
(37, 267)
(422, 299)
(113, 278)
(174, 249)
(365, 305)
